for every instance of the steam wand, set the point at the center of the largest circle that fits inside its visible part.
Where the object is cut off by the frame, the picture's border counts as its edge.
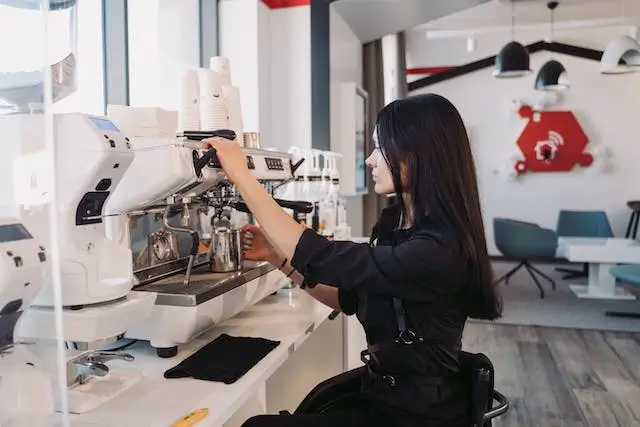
(195, 239)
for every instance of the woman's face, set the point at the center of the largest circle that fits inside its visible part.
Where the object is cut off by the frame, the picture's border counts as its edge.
(380, 173)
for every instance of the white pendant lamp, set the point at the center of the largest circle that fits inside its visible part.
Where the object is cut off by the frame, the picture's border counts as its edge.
(622, 55)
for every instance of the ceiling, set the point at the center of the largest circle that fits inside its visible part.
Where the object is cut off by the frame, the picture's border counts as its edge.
(373, 19)
(496, 13)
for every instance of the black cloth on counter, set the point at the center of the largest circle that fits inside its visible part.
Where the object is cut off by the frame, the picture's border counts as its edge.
(225, 359)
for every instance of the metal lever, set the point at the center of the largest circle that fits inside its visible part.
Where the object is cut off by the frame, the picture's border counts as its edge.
(92, 368)
(107, 356)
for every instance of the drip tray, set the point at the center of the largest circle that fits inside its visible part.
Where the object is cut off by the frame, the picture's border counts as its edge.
(203, 285)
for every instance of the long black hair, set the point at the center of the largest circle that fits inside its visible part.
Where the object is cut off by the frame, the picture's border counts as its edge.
(424, 140)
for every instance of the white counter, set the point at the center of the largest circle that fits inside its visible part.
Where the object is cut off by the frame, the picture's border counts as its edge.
(288, 317)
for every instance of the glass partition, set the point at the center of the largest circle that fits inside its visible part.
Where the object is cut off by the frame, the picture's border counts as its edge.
(38, 51)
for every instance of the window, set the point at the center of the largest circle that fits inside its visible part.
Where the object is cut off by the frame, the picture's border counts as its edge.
(89, 96)
(23, 52)
(164, 40)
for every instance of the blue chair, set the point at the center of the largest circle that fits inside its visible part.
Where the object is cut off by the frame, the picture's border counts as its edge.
(582, 224)
(629, 274)
(525, 242)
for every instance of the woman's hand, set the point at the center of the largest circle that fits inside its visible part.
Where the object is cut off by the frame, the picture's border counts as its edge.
(232, 159)
(258, 247)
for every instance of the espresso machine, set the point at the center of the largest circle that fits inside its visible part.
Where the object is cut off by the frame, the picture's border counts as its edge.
(92, 156)
(201, 280)
(24, 267)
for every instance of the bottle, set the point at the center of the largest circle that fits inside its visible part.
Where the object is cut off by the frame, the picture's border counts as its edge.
(342, 229)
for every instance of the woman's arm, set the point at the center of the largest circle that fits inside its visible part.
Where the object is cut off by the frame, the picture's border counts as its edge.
(328, 295)
(421, 269)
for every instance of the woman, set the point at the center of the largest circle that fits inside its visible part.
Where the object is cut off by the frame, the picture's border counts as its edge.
(414, 289)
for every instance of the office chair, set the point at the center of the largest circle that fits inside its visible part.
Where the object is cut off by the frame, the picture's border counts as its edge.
(525, 242)
(630, 275)
(342, 391)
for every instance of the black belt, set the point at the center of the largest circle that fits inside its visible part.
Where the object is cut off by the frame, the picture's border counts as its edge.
(406, 338)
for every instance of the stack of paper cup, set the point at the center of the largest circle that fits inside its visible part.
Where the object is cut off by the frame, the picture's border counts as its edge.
(213, 111)
(231, 95)
(189, 114)
(220, 65)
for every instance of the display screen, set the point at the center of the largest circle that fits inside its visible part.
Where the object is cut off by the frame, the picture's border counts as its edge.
(104, 124)
(13, 232)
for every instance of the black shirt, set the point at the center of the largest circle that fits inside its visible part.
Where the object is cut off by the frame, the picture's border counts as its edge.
(424, 267)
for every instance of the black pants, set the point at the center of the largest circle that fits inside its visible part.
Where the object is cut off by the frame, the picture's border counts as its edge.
(358, 416)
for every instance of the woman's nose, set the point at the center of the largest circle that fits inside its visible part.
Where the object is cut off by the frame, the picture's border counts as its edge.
(370, 161)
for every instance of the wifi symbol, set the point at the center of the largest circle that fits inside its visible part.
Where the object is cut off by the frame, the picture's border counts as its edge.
(555, 138)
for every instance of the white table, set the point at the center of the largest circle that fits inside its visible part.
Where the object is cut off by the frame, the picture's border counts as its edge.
(601, 254)
(157, 402)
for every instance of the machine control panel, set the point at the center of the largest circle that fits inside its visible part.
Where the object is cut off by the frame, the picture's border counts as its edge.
(274, 164)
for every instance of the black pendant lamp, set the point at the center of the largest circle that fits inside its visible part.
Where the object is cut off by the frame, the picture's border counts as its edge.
(512, 61)
(552, 76)
(513, 58)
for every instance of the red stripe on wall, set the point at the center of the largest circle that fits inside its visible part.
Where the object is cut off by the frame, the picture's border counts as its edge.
(427, 70)
(282, 4)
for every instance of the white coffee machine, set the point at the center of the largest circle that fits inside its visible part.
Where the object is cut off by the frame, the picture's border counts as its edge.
(92, 156)
(24, 267)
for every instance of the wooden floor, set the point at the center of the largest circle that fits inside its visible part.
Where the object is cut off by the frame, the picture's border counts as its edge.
(562, 377)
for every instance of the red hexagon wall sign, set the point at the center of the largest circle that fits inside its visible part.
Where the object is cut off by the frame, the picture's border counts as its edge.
(552, 141)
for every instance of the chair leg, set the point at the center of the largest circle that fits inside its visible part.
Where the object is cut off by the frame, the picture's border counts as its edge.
(630, 225)
(540, 273)
(574, 274)
(510, 273)
(535, 279)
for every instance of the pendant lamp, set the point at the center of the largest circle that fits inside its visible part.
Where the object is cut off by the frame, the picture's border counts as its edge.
(552, 76)
(513, 58)
(512, 61)
(622, 55)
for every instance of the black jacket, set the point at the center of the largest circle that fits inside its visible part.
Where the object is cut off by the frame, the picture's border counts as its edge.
(424, 267)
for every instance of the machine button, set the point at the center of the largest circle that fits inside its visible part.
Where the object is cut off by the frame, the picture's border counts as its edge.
(42, 256)
(10, 253)
(104, 184)
(112, 143)
(18, 261)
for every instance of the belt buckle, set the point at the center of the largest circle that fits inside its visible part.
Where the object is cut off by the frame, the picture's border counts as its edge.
(390, 379)
(407, 337)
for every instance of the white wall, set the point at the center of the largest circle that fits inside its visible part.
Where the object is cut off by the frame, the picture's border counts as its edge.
(346, 66)
(290, 62)
(606, 106)
(164, 40)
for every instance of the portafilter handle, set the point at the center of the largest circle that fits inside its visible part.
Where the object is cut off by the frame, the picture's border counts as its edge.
(294, 205)
(210, 156)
